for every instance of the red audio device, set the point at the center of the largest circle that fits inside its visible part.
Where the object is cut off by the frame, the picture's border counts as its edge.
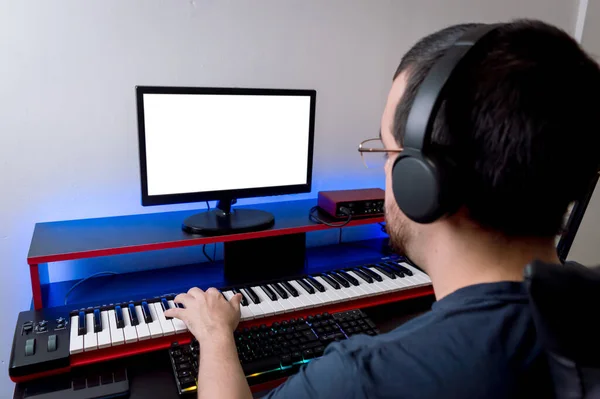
(362, 202)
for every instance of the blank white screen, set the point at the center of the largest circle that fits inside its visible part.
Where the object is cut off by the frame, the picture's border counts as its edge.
(197, 142)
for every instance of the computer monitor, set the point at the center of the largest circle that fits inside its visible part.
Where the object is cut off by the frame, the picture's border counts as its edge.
(205, 144)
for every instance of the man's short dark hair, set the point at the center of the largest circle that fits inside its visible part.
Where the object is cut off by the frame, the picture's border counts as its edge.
(521, 119)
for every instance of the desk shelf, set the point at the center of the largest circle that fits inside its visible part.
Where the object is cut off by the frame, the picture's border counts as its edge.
(89, 238)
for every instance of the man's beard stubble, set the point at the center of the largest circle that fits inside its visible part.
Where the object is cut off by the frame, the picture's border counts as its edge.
(397, 228)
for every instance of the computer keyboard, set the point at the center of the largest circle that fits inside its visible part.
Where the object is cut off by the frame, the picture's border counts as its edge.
(269, 352)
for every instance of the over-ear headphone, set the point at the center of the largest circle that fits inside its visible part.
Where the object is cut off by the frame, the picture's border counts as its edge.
(423, 180)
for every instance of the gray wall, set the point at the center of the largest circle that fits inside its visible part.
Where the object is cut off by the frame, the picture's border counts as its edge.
(68, 146)
(585, 248)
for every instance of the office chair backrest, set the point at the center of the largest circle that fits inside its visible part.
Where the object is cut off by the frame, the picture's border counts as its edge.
(565, 301)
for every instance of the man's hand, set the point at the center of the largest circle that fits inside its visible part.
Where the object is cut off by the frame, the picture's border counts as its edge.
(207, 314)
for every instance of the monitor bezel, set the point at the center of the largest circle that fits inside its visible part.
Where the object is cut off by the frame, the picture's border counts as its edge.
(167, 199)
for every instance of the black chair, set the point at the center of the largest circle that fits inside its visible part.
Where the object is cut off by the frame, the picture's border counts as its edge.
(565, 300)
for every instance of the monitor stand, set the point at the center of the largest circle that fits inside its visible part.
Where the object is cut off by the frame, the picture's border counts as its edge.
(223, 220)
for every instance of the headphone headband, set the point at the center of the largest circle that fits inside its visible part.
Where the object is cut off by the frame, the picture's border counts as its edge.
(427, 102)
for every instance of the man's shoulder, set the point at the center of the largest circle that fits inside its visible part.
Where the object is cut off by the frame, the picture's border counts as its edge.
(434, 352)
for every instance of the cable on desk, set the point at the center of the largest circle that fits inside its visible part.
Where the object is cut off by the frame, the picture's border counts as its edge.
(84, 280)
(211, 260)
(313, 217)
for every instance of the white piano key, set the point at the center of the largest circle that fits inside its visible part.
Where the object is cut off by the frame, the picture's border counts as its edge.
(364, 285)
(256, 310)
(142, 329)
(312, 297)
(297, 303)
(342, 293)
(353, 293)
(302, 295)
(331, 292)
(285, 303)
(166, 325)
(359, 290)
(154, 327)
(400, 282)
(277, 307)
(264, 305)
(90, 339)
(129, 331)
(363, 289)
(245, 313)
(387, 282)
(324, 297)
(75, 340)
(104, 335)
(116, 334)
(417, 274)
(179, 325)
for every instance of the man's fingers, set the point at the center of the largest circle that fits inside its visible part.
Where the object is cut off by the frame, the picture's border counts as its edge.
(175, 312)
(235, 302)
(196, 292)
(184, 299)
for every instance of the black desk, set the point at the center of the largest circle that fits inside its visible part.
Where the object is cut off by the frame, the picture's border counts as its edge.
(151, 376)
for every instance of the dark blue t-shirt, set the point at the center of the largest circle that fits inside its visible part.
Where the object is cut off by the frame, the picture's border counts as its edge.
(478, 342)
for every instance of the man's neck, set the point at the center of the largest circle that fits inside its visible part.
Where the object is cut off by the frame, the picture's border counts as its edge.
(464, 257)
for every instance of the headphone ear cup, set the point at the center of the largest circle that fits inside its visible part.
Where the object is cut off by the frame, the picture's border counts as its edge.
(420, 186)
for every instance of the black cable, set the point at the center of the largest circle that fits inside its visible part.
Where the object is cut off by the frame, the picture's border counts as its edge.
(211, 260)
(316, 219)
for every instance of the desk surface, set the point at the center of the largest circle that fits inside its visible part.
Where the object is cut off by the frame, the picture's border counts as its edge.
(151, 376)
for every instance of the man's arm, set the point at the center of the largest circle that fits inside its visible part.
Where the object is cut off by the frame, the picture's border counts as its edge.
(220, 374)
(212, 320)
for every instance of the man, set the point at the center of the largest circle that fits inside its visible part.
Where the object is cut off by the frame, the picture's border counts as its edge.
(521, 121)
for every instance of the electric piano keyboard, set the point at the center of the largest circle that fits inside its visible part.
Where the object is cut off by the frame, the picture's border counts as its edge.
(55, 340)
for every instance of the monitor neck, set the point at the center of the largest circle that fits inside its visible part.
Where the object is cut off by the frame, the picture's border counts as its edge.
(225, 205)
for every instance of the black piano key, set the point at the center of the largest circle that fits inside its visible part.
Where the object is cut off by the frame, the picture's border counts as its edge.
(336, 273)
(385, 271)
(315, 283)
(307, 287)
(146, 312)
(363, 275)
(339, 279)
(289, 288)
(269, 292)
(244, 300)
(348, 277)
(280, 290)
(403, 269)
(133, 315)
(97, 321)
(119, 317)
(252, 295)
(394, 270)
(330, 281)
(368, 271)
(81, 330)
(165, 305)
